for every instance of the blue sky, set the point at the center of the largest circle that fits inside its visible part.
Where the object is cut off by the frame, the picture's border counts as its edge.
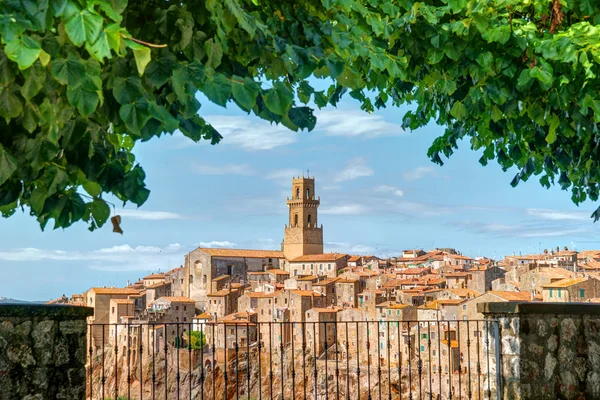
(379, 194)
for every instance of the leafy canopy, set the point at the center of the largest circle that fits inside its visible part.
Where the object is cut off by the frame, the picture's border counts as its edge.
(81, 81)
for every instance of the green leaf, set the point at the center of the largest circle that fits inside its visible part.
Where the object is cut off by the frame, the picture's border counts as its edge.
(214, 52)
(279, 99)
(38, 199)
(244, 90)
(217, 88)
(68, 72)
(34, 81)
(86, 101)
(302, 117)
(554, 123)
(142, 55)
(135, 115)
(459, 111)
(128, 90)
(159, 70)
(24, 51)
(7, 76)
(10, 105)
(100, 49)
(8, 165)
(93, 188)
(84, 26)
(44, 58)
(100, 211)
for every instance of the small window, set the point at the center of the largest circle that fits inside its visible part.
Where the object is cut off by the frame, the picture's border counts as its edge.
(176, 308)
(559, 292)
(184, 319)
(464, 306)
(582, 293)
(422, 347)
(550, 293)
(184, 308)
(113, 310)
(192, 278)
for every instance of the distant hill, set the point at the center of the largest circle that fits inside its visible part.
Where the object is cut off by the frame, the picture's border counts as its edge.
(8, 300)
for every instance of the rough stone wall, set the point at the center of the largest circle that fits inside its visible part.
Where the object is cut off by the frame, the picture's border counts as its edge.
(42, 352)
(549, 351)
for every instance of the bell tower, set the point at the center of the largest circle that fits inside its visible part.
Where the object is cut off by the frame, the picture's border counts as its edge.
(302, 233)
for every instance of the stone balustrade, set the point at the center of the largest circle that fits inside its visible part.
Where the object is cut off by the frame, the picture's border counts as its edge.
(42, 351)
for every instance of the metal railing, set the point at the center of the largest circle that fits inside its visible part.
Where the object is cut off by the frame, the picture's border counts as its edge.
(295, 360)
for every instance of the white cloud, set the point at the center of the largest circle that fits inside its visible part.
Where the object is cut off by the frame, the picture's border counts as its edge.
(251, 133)
(335, 122)
(225, 169)
(348, 248)
(345, 209)
(389, 189)
(148, 215)
(116, 258)
(557, 215)
(215, 243)
(357, 168)
(419, 173)
(286, 174)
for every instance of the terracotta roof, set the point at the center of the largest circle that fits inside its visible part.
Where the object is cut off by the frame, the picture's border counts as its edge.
(512, 296)
(159, 284)
(354, 258)
(177, 299)
(277, 271)
(220, 278)
(325, 282)
(391, 304)
(221, 293)
(554, 272)
(242, 253)
(326, 310)
(464, 292)
(155, 276)
(204, 315)
(122, 301)
(306, 293)
(116, 291)
(258, 295)
(565, 282)
(347, 281)
(319, 257)
(457, 275)
(307, 278)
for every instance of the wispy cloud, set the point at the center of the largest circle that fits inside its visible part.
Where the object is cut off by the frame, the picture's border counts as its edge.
(345, 209)
(348, 248)
(556, 215)
(357, 168)
(336, 122)
(215, 243)
(116, 258)
(225, 169)
(148, 215)
(524, 229)
(251, 133)
(419, 173)
(389, 189)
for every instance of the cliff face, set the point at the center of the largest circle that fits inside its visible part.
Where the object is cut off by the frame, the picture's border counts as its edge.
(132, 379)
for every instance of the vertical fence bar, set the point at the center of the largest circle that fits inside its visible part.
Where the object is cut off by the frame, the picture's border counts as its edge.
(439, 351)
(141, 356)
(389, 357)
(128, 362)
(398, 326)
(357, 362)
(429, 358)
(293, 362)
(347, 363)
(103, 326)
(469, 389)
(304, 382)
(189, 348)
(325, 346)
(448, 337)
(379, 359)
(270, 360)
(368, 361)
(419, 361)
(166, 362)
(237, 363)
(315, 360)
(225, 394)
(248, 359)
(410, 396)
(91, 357)
(460, 356)
(478, 360)
(177, 347)
(487, 345)
(116, 347)
(213, 367)
(154, 344)
(281, 349)
(496, 325)
(337, 365)
(259, 377)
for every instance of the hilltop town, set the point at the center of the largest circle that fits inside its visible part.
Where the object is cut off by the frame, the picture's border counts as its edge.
(301, 284)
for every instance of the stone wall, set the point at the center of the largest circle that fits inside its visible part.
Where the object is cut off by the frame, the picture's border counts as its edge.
(42, 352)
(549, 350)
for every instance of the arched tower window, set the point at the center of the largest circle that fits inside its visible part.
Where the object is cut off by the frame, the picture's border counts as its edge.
(296, 220)
(297, 193)
(309, 219)
(307, 193)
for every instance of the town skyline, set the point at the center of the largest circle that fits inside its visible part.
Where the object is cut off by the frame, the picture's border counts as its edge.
(380, 194)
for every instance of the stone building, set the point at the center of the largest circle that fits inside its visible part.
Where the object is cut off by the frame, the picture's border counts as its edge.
(171, 309)
(222, 303)
(571, 290)
(483, 276)
(302, 235)
(346, 292)
(321, 328)
(203, 265)
(176, 277)
(153, 279)
(534, 279)
(318, 264)
(99, 299)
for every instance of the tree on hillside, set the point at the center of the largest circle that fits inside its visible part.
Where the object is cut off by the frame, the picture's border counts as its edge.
(81, 81)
